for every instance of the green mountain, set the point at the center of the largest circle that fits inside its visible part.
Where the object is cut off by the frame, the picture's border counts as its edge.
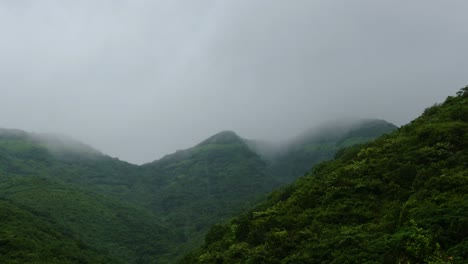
(26, 237)
(200, 186)
(402, 198)
(62, 158)
(152, 213)
(57, 193)
(290, 160)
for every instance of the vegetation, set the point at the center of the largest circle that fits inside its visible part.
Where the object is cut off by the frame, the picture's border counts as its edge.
(400, 199)
(52, 218)
(64, 202)
(196, 188)
(29, 238)
(221, 177)
(321, 144)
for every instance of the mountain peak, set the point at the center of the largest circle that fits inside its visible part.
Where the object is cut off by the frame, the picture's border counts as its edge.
(339, 129)
(224, 137)
(61, 146)
(12, 134)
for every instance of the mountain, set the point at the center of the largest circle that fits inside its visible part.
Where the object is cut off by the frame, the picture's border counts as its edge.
(402, 198)
(68, 202)
(140, 214)
(63, 158)
(292, 159)
(26, 237)
(203, 185)
(223, 175)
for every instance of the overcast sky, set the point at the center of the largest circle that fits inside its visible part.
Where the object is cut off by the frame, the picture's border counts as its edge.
(140, 79)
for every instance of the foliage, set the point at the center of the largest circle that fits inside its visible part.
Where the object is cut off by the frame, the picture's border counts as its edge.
(196, 188)
(29, 238)
(402, 198)
(320, 145)
(68, 203)
(53, 202)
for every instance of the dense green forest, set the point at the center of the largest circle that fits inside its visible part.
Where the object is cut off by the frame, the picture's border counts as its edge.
(65, 202)
(296, 157)
(100, 209)
(402, 198)
(26, 237)
(198, 187)
(57, 194)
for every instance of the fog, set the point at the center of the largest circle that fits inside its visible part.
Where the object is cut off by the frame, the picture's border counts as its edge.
(140, 79)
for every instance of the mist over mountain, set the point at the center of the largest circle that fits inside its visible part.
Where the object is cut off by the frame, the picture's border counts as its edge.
(402, 198)
(115, 209)
(59, 145)
(106, 210)
(140, 79)
(263, 131)
(329, 132)
(294, 157)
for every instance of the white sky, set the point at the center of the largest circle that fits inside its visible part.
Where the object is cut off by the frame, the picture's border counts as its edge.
(140, 79)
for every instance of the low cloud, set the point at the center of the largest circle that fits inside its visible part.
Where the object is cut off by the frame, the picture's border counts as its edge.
(140, 79)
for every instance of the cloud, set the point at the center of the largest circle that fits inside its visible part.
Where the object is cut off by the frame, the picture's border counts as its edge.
(140, 79)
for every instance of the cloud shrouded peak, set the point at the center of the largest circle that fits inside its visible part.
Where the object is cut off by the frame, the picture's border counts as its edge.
(140, 79)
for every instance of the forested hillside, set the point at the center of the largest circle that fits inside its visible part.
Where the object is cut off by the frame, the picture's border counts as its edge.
(402, 198)
(297, 156)
(203, 185)
(104, 209)
(63, 199)
(221, 176)
(26, 237)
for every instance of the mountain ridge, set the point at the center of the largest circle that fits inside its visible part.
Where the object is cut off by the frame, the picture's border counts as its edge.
(178, 196)
(402, 198)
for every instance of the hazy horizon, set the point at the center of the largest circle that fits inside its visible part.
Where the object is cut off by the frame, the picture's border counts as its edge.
(141, 79)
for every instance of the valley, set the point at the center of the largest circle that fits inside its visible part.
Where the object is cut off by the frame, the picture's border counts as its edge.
(157, 212)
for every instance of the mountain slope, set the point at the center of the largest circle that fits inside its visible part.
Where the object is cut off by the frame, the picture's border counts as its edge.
(62, 158)
(28, 238)
(203, 185)
(293, 159)
(400, 199)
(158, 211)
(118, 230)
(63, 198)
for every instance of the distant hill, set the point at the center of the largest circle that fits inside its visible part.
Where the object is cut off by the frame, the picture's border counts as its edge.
(402, 198)
(67, 210)
(154, 212)
(222, 175)
(292, 159)
(63, 158)
(59, 145)
(200, 186)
